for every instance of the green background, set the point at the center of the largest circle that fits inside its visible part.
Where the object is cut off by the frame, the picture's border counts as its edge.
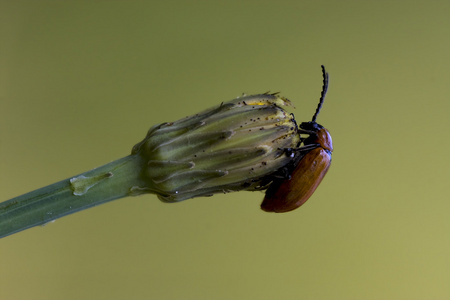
(82, 81)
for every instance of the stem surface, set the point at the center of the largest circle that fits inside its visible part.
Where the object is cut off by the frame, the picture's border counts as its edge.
(109, 182)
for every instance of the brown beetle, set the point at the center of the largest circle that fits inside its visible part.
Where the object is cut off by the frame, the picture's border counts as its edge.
(314, 160)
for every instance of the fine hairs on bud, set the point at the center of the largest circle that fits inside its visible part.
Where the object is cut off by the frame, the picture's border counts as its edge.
(232, 147)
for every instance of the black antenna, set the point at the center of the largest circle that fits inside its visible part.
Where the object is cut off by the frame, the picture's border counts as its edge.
(322, 95)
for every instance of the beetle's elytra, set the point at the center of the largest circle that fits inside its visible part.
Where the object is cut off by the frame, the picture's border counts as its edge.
(315, 159)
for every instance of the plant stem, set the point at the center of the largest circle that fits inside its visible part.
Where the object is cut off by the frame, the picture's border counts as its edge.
(109, 182)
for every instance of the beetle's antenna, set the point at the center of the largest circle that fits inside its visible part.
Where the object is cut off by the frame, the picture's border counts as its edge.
(324, 92)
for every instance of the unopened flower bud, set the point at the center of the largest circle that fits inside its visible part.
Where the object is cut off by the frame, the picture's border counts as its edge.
(232, 147)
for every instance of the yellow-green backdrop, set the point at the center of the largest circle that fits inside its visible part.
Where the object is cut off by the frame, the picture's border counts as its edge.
(82, 81)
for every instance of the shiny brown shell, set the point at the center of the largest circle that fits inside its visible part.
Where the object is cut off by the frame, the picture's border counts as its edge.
(291, 193)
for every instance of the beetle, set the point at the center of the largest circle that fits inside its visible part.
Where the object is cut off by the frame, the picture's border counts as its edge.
(311, 162)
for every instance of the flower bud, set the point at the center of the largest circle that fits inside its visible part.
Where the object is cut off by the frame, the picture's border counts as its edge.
(235, 146)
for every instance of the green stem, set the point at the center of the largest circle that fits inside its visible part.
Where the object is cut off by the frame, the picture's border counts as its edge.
(109, 182)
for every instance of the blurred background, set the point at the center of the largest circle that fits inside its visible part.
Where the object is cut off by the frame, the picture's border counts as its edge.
(81, 82)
